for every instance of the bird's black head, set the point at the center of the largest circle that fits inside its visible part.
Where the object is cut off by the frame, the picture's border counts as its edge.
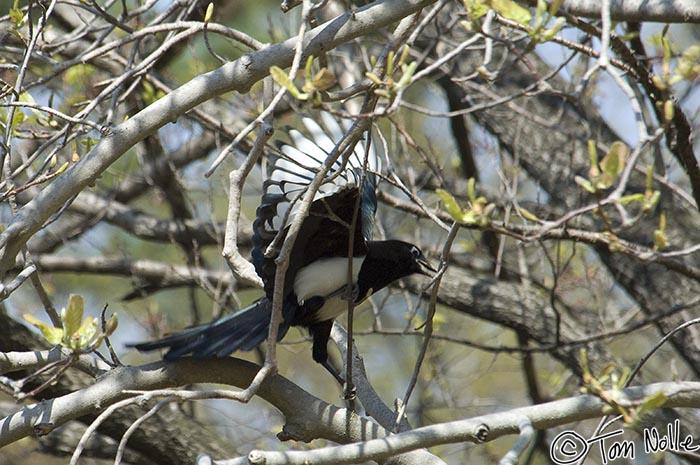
(388, 261)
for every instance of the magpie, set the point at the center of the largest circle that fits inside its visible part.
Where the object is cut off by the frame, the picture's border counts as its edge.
(316, 282)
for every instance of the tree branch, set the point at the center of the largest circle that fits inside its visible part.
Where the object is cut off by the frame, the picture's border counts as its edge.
(663, 11)
(310, 418)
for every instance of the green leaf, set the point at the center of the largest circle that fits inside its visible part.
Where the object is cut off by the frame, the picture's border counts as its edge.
(150, 94)
(471, 189)
(660, 238)
(627, 199)
(593, 159)
(669, 110)
(540, 9)
(585, 183)
(554, 7)
(390, 60)
(653, 401)
(52, 334)
(688, 67)
(649, 182)
(583, 356)
(476, 8)
(666, 44)
(408, 71)
(479, 210)
(614, 244)
(528, 215)
(88, 142)
(655, 40)
(613, 164)
(651, 201)
(554, 30)
(659, 82)
(62, 168)
(374, 78)
(111, 325)
(623, 378)
(438, 320)
(26, 97)
(72, 315)
(467, 246)
(511, 10)
(607, 370)
(78, 74)
(17, 18)
(451, 204)
(323, 80)
(308, 69)
(468, 217)
(209, 13)
(405, 52)
(88, 334)
(281, 78)
(18, 118)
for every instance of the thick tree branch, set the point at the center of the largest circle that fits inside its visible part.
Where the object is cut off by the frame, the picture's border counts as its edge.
(144, 226)
(309, 418)
(16, 361)
(165, 274)
(503, 303)
(662, 11)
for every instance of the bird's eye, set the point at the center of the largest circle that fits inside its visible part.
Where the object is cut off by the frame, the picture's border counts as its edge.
(415, 252)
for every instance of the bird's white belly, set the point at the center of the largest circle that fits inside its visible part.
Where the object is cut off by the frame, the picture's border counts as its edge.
(324, 277)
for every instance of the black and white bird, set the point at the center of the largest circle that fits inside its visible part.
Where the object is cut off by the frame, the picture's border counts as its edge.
(316, 282)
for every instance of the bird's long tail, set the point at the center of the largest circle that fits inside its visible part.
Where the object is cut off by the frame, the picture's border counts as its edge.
(243, 330)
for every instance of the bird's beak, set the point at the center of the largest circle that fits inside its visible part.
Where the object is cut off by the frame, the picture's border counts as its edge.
(425, 268)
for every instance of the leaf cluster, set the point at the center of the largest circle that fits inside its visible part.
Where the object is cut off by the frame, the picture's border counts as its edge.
(390, 86)
(81, 335)
(313, 85)
(536, 26)
(477, 212)
(616, 382)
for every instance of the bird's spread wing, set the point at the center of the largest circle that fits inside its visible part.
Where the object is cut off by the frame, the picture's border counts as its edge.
(326, 230)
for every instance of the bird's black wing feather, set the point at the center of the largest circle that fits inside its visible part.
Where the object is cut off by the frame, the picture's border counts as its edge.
(326, 231)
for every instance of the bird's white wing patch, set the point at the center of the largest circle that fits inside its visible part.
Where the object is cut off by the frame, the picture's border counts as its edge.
(324, 277)
(299, 162)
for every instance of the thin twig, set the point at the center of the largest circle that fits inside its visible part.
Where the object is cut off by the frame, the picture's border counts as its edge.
(49, 308)
(22, 276)
(527, 432)
(35, 106)
(103, 319)
(241, 267)
(428, 330)
(135, 425)
(6, 143)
